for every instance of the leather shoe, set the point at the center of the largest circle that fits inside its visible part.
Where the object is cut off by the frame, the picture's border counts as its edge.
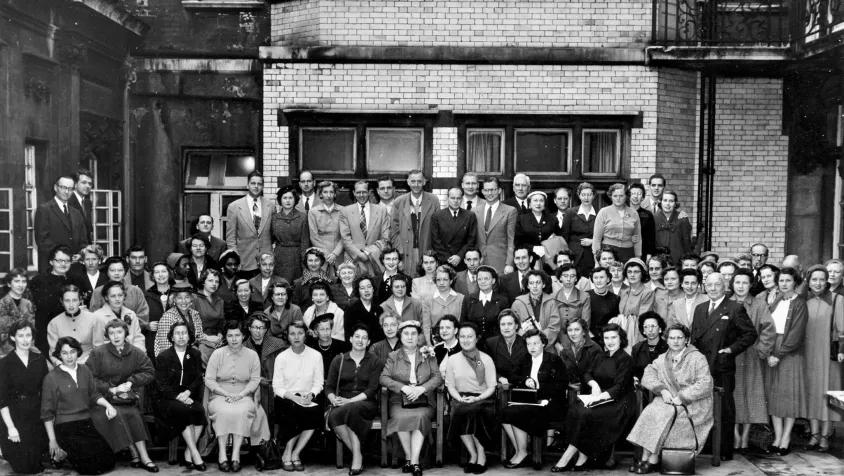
(480, 469)
(200, 466)
(224, 466)
(635, 466)
(646, 468)
(783, 451)
(524, 463)
(408, 467)
(150, 467)
(417, 470)
(355, 472)
(579, 468)
(235, 466)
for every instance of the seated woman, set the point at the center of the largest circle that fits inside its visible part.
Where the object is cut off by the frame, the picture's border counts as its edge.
(470, 381)
(178, 371)
(75, 322)
(120, 370)
(634, 300)
(22, 437)
(312, 264)
(14, 307)
(537, 309)
(680, 377)
(297, 381)
(243, 306)
(74, 428)
(364, 310)
(181, 295)
(343, 290)
(323, 343)
(391, 341)
(411, 378)
(651, 326)
(594, 427)
(445, 300)
(508, 350)
(352, 390)
(114, 293)
(281, 311)
(407, 308)
(323, 304)
(548, 377)
(267, 347)
(577, 350)
(448, 344)
(211, 311)
(232, 378)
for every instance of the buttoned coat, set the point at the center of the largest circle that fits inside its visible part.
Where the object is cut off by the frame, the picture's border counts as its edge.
(577, 306)
(548, 318)
(497, 241)
(401, 228)
(241, 234)
(376, 239)
(485, 316)
(727, 326)
(53, 228)
(324, 229)
(513, 365)
(677, 311)
(453, 236)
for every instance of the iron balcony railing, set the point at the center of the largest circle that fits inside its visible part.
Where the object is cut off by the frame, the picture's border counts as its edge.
(721, 22)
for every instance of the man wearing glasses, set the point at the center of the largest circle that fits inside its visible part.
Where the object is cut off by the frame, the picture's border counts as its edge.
(59, 223)
(758, 257)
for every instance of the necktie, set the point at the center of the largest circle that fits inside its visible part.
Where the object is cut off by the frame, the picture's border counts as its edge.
(307, 204)
(85, 210)
(255, 217)
(711, 307)
(64, 208)
(469, 205)
(455, 215)
(524, 208)
(488, 218)
(363, 220)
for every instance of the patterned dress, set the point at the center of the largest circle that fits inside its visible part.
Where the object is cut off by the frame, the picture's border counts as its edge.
(749, 394)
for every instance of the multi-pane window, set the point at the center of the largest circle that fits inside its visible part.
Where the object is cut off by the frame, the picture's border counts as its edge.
(7, 252)
(485, 150)
(217, 169)
(542, 151)
(107, 217)
(30, 153)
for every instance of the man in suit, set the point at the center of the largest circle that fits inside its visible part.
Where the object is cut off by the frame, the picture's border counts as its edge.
(469, 184)
(248, 230)
(562, 201)
(681, 311)
(57, 223)
(386, 193)
(80, 199)
(365, 230)
(521, 189)
(466, 281)
(496, 227)
(721, 330)
(410, 230)
(204, 225)
(510, 285)
(307, 196)
(758, 258)
(453, 231)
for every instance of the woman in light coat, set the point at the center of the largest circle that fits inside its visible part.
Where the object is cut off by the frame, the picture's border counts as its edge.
(536, 309)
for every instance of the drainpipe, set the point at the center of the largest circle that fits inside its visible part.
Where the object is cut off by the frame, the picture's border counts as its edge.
(706, 162)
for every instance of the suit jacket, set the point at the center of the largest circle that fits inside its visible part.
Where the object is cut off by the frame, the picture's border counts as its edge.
(174, 378)
(376, 239)
(531, 233)
(53, 228)
(484, 316)
(515, 204)
(81, 275)
(552, 378)
(401, 229)
(498, 242)
(413, 310)
(727, 326)
(263, 298)
(677, 311)
(214, 251)
(453, 236)
(241, 234)
(514, 365)
(462, 284)
(510, 286)
(86, 211)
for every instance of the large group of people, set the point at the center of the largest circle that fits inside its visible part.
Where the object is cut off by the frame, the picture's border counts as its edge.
(291, 325)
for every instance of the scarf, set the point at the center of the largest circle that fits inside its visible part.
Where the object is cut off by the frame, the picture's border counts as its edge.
(577, 347)
(474, 359)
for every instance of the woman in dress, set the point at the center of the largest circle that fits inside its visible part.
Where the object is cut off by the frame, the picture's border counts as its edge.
(508, 350)
(178, 371)
(634, 301)
(211, 311)
(391, 342)
(617, 227)
(323, 304)
(786, 381)
(411, 378)
(538, 309)
(424, 287)
(579, 228)
(535, 226)
(391, 258)
(594, 428)
(352, 390)
(79, 421)
(14, 307)
(484, 306)
(297, 381)
(313, 262)
(290, 234)
(823, 369)
(343, 291)
(324, 227)
(749, 393)
(673, 232)
(680, 377)
(603, 303)
(114, 293)
(364, 310)
(281, 311)
(448, 345)
(548, 377)
(769, 275)
(199, 259)
(407, 308)
(157, 297)
(232, 379)
(267, 347)
(470, 381)
(636, 191)
(577, 350)
(445, 300)
(321, 340)
(572, 303)
(651, 327)
(229, 274)
(181, 295)
(22, 437)
(120, 370)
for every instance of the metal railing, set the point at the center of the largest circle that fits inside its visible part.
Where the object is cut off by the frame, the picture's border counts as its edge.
(817, 19)
(721, 22)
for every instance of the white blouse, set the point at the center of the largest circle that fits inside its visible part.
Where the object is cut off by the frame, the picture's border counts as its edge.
(298, 372)
(780, 314)
(535, 363)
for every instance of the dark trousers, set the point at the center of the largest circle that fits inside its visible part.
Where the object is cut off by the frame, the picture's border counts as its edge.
(728, 413)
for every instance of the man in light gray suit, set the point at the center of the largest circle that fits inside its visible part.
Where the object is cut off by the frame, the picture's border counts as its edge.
(248, 224)
(496, 228)
(410, 231)
(365, 230)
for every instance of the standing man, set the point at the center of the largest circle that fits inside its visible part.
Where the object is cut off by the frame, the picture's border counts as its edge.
(470, 191)
(521, 189)
(248, 230)
(204, 225)
(721, 330)
(410, 231)
(138, 274)
(365, 230)
(562, 201)
(386, 194)
(81, 198)
(656, 185)
(758, 258)
(454, 230)
(308, 197)
(496, 228)
(57, 223)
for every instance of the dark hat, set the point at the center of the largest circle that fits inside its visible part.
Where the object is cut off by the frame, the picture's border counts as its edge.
(410, 323)
(180, 288)
(328, 316)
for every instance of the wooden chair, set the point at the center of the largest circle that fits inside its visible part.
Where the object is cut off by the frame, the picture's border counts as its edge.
(377, 424)
(437, 425)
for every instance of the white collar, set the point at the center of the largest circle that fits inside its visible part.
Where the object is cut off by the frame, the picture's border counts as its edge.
(61, 203)
(588, 213)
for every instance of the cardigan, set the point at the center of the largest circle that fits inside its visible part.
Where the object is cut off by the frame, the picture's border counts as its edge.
(174, 376)
(354, 379)
(63, 400)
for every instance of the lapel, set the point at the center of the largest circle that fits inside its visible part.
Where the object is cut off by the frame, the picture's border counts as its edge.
(266, 213)
(497, 216)
(64, 219)
(246, 214)
(373, 226)
(716, 314)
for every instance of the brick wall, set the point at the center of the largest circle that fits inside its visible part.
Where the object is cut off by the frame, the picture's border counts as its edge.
(537, 23)
(751, 167)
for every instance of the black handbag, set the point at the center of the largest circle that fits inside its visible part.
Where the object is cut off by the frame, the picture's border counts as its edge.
(269, 456)
(123, 398)
(420, 402)
(679, 460)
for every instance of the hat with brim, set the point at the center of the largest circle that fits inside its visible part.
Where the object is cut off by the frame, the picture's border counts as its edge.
(710, 254)
(411, 323)
(180, 288)
(327, 317)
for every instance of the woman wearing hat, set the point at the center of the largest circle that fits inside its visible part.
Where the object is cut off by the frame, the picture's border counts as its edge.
(312, 261)
(411, 378)
(290, 234)
(181, 296)
(483, 306)
(634, 301)
(651, 326)
(321, 340)
(579, 229)
(536, 226)
(180, 264)
(617, 226)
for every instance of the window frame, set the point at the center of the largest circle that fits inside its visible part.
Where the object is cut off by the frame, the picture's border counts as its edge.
(619, 153)
(569, 148)
(189, 151)
(9, 254)
(368, 130)
(501, 154)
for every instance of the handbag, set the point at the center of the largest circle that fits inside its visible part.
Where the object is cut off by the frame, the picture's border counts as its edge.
(420, 402)
(330, 406)
(679, 460)
(269, 456)
(123, 398)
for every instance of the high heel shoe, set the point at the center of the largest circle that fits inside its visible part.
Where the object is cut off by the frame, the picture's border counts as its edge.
(782, 451)
(355, 472)
(813, 442)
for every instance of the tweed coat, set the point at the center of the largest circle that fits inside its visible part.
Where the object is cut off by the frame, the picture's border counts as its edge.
(401, 228)
(749, 394)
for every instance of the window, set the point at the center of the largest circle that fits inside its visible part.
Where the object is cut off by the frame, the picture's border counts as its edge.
(485, 150)
(107, 218)
(390, 150)
(328, 149)
(218, 169)
(601, 151)
(6, 230)
(31, 152)
(543, 151)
